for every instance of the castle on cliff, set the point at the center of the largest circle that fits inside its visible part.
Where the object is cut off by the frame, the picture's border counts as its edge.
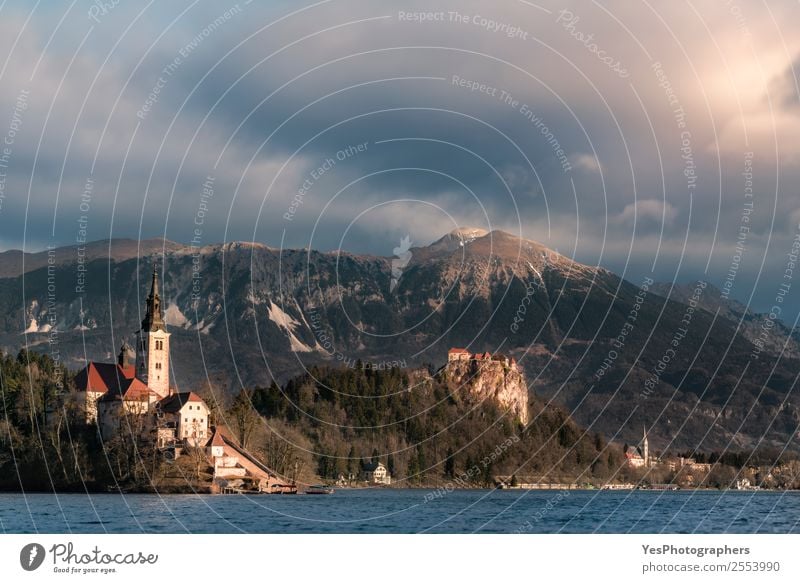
(462, 354)
(483, 375)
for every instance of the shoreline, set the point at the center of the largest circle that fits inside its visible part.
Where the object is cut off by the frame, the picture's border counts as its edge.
(207, 492)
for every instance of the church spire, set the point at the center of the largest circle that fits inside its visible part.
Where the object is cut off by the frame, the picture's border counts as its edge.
(154, 318)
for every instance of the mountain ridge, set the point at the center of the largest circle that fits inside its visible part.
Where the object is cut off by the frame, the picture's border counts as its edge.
(249, 314)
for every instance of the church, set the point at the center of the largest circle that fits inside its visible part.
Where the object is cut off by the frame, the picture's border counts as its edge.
(138, 397)
(137, 400)
(639, 457)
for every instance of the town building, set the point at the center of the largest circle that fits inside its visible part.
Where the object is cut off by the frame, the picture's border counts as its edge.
(182, 417)
(376, 473)
(235, 467)
(690, 463)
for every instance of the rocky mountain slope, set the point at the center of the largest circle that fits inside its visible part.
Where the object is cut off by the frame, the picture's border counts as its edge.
(618, 355)
(781, 338)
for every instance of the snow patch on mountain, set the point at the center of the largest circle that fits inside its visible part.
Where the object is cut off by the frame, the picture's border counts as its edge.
(288, 324)
(174, 317)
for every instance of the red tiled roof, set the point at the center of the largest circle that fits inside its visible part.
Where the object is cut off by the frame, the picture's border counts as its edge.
(101, 377)
(129, 390)
(458, 351)
(216, 439)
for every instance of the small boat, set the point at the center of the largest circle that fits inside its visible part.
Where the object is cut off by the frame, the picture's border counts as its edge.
(319, 489)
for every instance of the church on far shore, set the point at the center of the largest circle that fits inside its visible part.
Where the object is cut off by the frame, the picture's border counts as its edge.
(137, 400)
(138, 397)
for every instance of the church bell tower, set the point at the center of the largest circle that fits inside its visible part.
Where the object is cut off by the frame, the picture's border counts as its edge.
(152, 345)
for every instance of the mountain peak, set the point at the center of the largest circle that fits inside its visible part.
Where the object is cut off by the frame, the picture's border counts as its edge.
(472, 241)
(467, 233)
(456, 239)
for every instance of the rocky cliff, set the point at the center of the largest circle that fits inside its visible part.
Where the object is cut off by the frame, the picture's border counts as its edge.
(497, 381)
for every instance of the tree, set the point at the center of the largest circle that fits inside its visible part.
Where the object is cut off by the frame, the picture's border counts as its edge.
(487, 474)
(450, 464)
(132, 453)
(351, 461)
(421, 464)
(243, 418)
(216, 399)
(412, 470)
(280, 456)
(197, 454)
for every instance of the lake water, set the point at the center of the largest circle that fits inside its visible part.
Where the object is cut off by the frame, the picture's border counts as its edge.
(407, 511)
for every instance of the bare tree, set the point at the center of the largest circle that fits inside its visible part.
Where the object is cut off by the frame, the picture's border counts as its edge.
(281, 456)
(243, 418)
(132, 450)
(217, 400)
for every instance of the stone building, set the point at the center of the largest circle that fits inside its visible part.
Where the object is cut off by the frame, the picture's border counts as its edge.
(182, 417)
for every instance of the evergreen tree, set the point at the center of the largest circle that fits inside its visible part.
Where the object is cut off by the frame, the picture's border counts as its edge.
(352, 463)
(450, 464)
(412, 470)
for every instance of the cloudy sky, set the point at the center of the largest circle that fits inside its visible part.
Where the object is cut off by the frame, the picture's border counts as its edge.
(648, 137)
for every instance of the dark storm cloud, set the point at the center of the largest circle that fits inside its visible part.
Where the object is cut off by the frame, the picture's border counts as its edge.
(558, 122)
